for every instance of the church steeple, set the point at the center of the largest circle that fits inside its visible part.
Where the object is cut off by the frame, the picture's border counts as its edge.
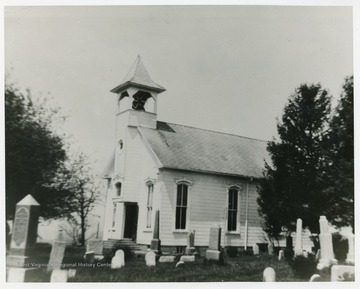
(137, 91)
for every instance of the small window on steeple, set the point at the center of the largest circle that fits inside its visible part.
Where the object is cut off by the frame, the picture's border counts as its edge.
(118, 189)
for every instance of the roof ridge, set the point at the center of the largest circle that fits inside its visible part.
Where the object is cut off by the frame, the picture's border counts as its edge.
(232, 134)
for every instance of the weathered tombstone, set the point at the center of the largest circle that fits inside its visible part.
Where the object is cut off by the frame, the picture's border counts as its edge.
(315, 278)
(118, 260)
(23, 239)
(71, 273)
(214, 253)
(166, 259)
(89, 257)
(96, 246)
(342, 273)
(180, 264)
(350, 257)
(155, 245)
(317, 256)
(281, 255)
(326, 245)
(24, 232)
(150, 259)
(269, 275)
(56, 255)
(271, 249)
(186, 259)
(256, 250)
(190, 249)
(298, 241)
(58, 275)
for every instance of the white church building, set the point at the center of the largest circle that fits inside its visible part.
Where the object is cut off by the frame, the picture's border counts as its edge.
(196, 178)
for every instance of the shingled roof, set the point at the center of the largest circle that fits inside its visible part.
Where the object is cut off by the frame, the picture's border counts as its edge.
(193, 149)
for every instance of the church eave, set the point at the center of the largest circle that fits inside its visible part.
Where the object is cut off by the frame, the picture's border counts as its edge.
(127, 84)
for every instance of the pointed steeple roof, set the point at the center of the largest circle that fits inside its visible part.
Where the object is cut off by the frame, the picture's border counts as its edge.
(138, 76)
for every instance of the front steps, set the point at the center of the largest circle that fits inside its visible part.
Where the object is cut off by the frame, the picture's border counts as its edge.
(135, 248)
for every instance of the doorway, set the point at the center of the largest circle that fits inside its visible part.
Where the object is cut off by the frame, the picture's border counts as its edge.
(131, 219)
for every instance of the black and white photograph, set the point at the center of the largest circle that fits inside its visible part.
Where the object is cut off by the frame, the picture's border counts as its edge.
(179, 143)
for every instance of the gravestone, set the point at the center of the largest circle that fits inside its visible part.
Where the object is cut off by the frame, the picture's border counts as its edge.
(271, 249)
(213, 253)
(269, 275)
(96, 246)
(317, 256)
(350, 257)
(150, 259)
(256, 250)
(89, 257)
(342, 273)
(187, 259)
(180, 264)
(118, 260)
(315, 278)
(190, 248)
(326, 245)
(281, 255)
(24, 232)
(56, 255)
(58, 275)
(167, 259)
(16, 274)
(298, 241)
(155, 245)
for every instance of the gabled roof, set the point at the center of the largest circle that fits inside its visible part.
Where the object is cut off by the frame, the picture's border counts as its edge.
(188, 148)
(138, 76)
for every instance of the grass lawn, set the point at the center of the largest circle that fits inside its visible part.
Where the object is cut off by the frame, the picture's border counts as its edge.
(241, 268)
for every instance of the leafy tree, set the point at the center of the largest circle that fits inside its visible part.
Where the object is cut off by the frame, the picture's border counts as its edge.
(340, 153)
(33, 152)
(293, 184)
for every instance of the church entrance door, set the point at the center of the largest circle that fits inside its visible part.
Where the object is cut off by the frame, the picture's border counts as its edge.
(131, 219)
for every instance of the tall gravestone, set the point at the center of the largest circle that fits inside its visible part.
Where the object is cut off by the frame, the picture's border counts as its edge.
(350, 257)
(326, 245)
(214, 253)
(155, 245)
(56, 255)
(298, 241)
(24, 232)
(190, 249)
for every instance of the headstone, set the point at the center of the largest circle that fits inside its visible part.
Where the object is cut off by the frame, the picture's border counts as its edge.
(16, 274)
(298, 241)
(150, 259)
(256, 250)
(271, 249)
(350, 257)
(95, 245)
(156, 242)
(281, 255)
(315, 278)
(118, 260)
(213, 253)
(24, 232)
(89, 257)
(60, 235)
(317, 256)
(71, 273)
(190, 248)
(56, 255)
(305, 254)
(342, 273)
(326, 245)
(186, 259)
(269, 275)
(180, 264)
(58, 275)
(167, 259)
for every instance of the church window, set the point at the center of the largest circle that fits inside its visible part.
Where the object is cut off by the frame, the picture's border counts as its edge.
(181, 206)
(232, 209)
(149, 206)
(118, 189)
(114, 216)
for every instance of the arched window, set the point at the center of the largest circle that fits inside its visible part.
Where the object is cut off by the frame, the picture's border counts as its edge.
(181, 206)
(118, 189)
(233, 196)
(149, 206)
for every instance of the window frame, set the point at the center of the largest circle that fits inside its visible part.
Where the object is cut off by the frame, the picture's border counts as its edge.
(149, 205)
(237, 189)
(188, 184)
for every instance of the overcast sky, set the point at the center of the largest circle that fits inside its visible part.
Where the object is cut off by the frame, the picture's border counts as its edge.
(228, 69)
